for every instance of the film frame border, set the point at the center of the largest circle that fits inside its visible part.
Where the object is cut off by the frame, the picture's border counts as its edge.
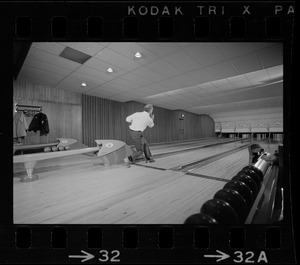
(72, 240)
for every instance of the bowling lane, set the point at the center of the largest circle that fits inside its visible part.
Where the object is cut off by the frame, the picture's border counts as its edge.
(178, 159)
(114, 195)
(229, 166)
(165, 148)
(225, 168)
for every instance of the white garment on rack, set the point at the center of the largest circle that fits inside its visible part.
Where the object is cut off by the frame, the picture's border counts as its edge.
(20, 125)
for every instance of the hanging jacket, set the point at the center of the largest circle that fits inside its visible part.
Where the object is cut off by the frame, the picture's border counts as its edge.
(39, 123)
(20, 125)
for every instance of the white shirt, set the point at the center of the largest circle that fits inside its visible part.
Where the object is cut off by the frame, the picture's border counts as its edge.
(140, 121)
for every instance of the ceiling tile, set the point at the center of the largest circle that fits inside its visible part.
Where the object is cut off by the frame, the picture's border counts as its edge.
(241, 84)
(160, 49)
(209, 87)
(262, 45)
(184, 80)
(171, 84)
(89, 80)
(237, 78)
(247, 63)
(136, 79)
(222, 84)
(149, 74)
(104, 92)
(205, 54)
(222, 70)
(183, 61)
(103, 66)
(201, 76)
(72, 84)
(257, 74)
(122, 84)
(117, 59)
(51, 59)
(271, 56)
(163, 68)
(49, 47)
(91, 72)
(128, 49)
(147, 92)
(232, 50)
(41, 65)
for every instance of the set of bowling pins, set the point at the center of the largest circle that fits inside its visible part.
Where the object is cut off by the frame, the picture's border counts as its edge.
(277, 137)
(246, 135)
(260, 136)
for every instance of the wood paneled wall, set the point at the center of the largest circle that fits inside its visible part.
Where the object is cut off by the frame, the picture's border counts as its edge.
(62, 107)
(105, 119)
(86, 118)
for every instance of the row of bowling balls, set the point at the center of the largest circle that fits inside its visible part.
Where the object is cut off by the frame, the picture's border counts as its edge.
(55, 148)
(232, 204)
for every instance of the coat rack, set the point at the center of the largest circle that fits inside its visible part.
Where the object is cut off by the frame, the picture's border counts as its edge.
(28, 110)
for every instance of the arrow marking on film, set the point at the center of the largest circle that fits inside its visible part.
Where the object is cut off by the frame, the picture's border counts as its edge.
(86, 257)
(221, 257)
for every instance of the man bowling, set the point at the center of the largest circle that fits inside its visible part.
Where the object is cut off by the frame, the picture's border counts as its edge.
(139, 121)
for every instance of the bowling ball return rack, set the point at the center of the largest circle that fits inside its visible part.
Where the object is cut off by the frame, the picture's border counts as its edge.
(107, 152)
(267, 205)
(62, 142)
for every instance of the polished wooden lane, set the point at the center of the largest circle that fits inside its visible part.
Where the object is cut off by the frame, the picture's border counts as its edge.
(159, 149)
(178, 159)
(229, 166)
(225, 168)
(94, 194)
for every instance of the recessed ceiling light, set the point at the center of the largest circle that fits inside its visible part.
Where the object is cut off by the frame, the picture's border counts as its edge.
(110, 70)
(83, 84)
(138, 55)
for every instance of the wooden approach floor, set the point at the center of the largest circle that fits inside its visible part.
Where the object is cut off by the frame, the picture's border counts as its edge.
(80, 191)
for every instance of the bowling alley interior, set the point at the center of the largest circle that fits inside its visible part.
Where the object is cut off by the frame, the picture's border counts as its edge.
(216, 145)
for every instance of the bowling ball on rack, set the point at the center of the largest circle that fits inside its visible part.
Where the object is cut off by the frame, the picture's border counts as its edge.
(54, 148)
(242, 189)
(61, 148)
(235, 200)
(200, 218)
(47, 149)
(221, 211)
(67, 147)
(248, 181)
(256, 170)
(251, 173)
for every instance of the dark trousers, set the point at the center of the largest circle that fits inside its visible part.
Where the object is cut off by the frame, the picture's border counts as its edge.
(141, 145)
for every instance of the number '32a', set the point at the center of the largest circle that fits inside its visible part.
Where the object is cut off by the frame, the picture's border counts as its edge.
(248, 257)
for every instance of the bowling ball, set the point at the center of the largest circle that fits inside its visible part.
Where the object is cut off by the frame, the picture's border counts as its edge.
(249, 172)
(221, 211)
(67, 147)
(242, 189)
(235, 200)
(200, 218)
(54, 148)
(248, 181)
(61, 148)
(47, 149)
(256, 170)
